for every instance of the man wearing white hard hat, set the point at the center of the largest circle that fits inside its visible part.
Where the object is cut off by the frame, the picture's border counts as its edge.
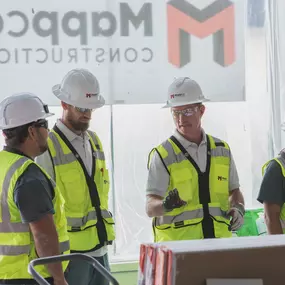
(76, 160)
(33, 222)
(193, 186)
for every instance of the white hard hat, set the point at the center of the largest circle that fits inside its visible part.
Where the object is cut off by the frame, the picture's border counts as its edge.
(79, 88)
(21, 109)
(184, 91)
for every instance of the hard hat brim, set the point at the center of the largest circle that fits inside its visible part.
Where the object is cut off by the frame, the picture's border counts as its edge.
(23, 122)
(56, 90)
(184, 103)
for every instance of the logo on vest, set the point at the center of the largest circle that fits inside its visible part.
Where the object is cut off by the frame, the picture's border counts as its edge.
(221, 178)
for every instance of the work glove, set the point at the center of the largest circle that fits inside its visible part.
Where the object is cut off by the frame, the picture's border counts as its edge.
(237, 219)
(173, 201)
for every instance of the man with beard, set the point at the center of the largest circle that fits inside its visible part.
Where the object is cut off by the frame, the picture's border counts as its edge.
(33, 221)
(193, 186)
(76, 160)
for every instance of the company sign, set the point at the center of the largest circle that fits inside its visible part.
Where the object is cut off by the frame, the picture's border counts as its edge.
(135, 48)
(217, 19)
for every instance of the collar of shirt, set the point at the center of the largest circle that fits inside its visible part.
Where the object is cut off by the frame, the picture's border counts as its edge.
(185, 143)
(15, 151)
(70, 135)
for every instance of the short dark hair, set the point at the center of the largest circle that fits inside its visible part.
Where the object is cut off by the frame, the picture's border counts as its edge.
(15, 137)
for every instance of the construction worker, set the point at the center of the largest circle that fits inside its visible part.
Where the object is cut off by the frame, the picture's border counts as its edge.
(193, 186)
(33, 221)
(76, 160)
(272, 194)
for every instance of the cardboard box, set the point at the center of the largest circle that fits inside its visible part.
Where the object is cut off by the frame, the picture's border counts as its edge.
(193, 262)
(234, 282)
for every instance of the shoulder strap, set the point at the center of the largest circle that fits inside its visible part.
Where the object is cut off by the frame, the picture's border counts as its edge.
(188, 156)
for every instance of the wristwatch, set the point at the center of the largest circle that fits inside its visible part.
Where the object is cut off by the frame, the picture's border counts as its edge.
(240, 208)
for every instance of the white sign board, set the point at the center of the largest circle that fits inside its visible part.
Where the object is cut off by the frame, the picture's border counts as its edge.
(135, 48)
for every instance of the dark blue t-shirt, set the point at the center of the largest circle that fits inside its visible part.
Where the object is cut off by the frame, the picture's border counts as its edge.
(272, 189)
(33, 193)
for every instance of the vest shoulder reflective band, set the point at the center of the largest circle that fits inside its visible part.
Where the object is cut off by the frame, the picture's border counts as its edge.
(90, 223)
(17, 248)
(281, 161)
(206, 194)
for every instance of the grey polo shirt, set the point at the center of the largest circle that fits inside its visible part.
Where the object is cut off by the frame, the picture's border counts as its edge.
(83, 148)
(158, 177)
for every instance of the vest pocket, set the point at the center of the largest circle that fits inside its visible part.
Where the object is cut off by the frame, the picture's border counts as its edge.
(73, 189)
(107, 217)
(79, 222)
(187, 218)
(222, 229)
(186, 232)
(182, 181)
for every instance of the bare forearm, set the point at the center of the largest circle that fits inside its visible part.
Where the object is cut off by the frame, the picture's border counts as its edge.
(236, 198)
(47, 244)
(273, 227)
(154, 206)
(272, 218)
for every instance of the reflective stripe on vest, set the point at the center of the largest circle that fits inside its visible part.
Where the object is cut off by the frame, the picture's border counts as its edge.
(179, 157)
(61, 158)
(6, 226)
(13, 250)
(80, 222)
(189, 215)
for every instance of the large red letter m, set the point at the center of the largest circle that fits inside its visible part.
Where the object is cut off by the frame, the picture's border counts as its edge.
(216, 19)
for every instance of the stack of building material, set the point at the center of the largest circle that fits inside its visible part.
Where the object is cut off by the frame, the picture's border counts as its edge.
(196, 262)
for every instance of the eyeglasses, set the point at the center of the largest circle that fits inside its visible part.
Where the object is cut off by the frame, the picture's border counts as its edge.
(186, 112)
(41, 124)
(83, 110)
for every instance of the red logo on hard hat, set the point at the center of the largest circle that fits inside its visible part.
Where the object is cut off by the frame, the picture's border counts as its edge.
(88, 95)
(172, 96)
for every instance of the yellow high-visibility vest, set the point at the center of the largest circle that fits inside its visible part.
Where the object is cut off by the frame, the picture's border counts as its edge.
(17, 246)
(206, 194)
(90, 223)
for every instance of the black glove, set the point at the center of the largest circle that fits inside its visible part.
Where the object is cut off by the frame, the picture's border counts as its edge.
(173, 201)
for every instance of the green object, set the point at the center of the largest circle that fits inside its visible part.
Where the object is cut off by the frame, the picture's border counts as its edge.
(125, 273)
(249, 228)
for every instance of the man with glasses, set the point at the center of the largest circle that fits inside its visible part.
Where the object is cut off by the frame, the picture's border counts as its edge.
(76, 160)
(193, 186)
(33, 222)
